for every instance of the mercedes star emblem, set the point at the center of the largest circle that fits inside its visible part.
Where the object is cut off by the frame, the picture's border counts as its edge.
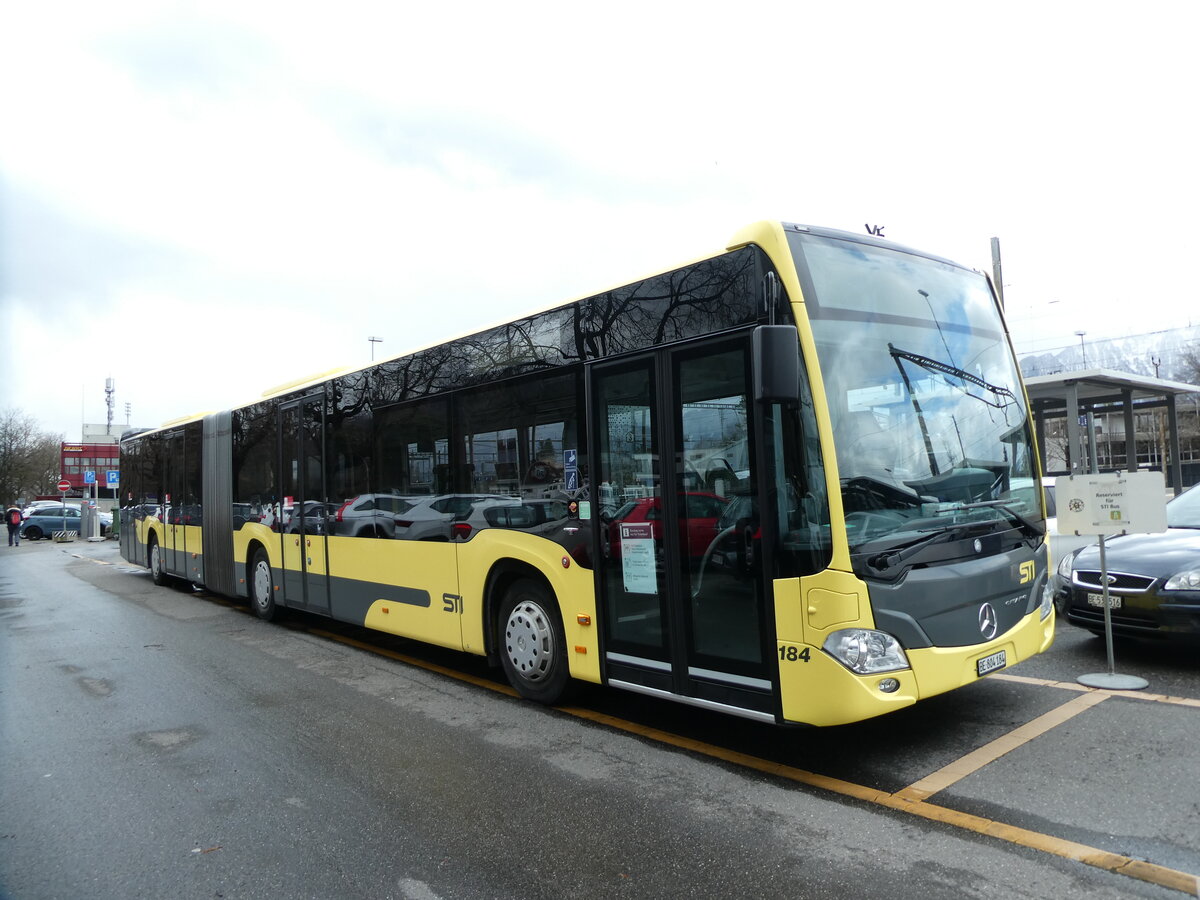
(987, 621)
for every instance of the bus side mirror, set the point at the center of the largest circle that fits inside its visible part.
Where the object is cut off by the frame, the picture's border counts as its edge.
(776, 351)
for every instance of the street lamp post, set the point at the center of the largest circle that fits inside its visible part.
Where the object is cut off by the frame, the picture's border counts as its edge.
(373, 341)
(1082, 349)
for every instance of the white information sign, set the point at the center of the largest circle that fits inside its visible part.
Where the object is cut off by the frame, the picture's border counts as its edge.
(1116, 503)
(637, 558)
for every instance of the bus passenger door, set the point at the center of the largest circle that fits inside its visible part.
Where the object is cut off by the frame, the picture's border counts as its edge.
(635, 595)
(680, 569)
(304, 525)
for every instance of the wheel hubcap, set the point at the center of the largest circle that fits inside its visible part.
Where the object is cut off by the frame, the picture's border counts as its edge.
(529, 641)
(155, 565)
(262, 584)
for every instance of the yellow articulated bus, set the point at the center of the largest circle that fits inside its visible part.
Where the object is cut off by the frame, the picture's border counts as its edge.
(793, 481)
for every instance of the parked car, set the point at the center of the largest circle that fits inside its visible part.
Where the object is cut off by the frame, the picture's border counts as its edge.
(43, 504)
(430, 518)
(371, 515)
(1153, 579)
(45, 520)
(533, 516)
(697, 527)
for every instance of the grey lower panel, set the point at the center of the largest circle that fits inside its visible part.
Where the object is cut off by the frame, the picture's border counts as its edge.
(350, 599)
(180, 564)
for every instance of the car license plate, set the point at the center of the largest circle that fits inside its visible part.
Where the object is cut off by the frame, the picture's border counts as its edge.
(1098, 600)
(997, 660)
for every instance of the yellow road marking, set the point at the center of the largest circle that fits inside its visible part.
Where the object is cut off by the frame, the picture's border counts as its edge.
(1075, 686)
(977, 759)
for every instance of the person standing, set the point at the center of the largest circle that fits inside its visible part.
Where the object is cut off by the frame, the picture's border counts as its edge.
(12, 518)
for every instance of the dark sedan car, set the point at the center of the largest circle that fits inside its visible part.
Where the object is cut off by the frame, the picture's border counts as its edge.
(1153, 579)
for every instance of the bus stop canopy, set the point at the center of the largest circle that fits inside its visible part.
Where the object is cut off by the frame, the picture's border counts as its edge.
(1087, 391)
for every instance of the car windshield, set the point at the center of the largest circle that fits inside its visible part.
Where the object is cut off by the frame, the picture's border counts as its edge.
(1184, 511)
(928, 412)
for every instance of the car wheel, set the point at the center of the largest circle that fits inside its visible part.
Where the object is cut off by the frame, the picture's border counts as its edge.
(262, 586)
(156, 570)
(532, 644)
(33, 533)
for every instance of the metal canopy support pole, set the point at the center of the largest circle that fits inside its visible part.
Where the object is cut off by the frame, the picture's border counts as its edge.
(1131, 463)
(1173, 441)
(1074, 456)
(1039, 430)
(1093, 452)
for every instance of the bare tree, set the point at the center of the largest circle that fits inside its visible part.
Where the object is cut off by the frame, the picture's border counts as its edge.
(29, 457)
(1189, 360)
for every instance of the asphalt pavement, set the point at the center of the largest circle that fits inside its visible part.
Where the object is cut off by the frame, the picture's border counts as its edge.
(160, 742)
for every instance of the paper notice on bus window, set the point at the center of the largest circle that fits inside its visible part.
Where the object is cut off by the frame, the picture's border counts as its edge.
(637, 558)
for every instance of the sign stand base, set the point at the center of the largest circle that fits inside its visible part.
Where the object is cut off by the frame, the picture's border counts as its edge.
(1111, 681)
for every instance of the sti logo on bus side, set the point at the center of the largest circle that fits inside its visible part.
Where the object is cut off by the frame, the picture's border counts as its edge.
(1028, 570)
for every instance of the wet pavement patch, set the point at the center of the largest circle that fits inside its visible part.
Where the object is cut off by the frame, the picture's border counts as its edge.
(169, 740)
(97, 687)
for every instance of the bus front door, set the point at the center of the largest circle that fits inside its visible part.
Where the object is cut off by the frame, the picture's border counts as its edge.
(681, 585)
(304, 525)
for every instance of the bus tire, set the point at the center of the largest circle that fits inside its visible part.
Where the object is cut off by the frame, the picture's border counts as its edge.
(155, 563)
(532, 643)
(262, 586)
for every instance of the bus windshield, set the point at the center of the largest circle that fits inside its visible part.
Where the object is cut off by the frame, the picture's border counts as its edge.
(929, 418)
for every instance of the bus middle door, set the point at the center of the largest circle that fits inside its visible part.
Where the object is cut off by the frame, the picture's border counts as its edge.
(304, 527)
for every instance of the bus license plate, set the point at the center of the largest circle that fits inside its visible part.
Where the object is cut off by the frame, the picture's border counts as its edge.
(1098, 600)
(991, 663)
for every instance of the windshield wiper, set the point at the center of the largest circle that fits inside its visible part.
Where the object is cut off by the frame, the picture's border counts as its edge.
(1023, 523)
(933, 365)
(891, 558)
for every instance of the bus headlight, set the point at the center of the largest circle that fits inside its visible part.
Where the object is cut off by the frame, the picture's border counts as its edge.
(866, 652)
(1047, 601)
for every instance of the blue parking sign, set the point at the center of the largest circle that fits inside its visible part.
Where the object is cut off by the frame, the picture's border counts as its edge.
(112, 478)
(89, 477)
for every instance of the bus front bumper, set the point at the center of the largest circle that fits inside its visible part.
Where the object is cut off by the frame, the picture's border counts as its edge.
(821, 691)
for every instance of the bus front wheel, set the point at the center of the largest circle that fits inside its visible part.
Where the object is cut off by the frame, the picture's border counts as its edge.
(532, 644)
(262, 586)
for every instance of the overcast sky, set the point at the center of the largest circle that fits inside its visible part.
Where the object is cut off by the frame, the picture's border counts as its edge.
(204, 200)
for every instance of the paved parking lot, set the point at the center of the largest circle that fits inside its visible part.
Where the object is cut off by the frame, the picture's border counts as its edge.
(1027, 755)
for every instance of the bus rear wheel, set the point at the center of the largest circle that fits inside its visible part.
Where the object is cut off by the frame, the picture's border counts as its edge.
(532, 644)
(156, 569)
(262, 586)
